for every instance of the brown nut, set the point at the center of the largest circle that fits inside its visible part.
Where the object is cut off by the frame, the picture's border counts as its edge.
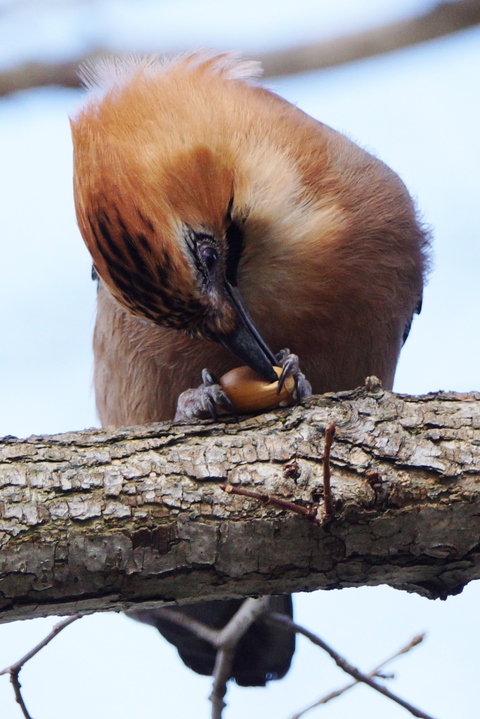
(250, 393)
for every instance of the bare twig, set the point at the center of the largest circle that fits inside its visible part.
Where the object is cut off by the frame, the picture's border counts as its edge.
(14, 669)
(374, 672)
(201, 630)
(227, 640)
(309, 513)
(250, 610)
(329, 506)
(439, 20)
(284, 621)
(224, 640)
(221, 674)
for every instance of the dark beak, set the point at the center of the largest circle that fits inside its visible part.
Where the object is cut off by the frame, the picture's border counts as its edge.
(245, 340)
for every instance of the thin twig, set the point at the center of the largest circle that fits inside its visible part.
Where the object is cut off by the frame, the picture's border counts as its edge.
(308, 512)
(327, 489)
(201, 630)
(374, 672)
(440, 19)
(221, 674)
(284, 621)
(14, 669)
(269, 499)
(225, 640)
(250, 610)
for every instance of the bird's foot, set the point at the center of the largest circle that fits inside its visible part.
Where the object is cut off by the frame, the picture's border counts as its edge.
(291, 368)
(204, 402)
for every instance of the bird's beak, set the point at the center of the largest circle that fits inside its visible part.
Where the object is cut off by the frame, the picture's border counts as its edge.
(245, 340)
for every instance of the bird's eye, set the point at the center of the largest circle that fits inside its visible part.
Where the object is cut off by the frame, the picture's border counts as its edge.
(209, 256)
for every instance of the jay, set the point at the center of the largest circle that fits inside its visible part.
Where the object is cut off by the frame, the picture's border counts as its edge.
(224, 225)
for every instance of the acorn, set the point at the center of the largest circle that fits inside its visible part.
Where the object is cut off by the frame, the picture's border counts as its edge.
(248, 392)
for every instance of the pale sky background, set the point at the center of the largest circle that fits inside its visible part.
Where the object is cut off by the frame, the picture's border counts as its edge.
(419, 110)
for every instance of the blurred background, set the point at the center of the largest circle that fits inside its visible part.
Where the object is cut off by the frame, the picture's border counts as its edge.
(417, 107)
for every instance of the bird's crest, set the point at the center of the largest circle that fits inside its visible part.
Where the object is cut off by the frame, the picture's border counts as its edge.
(109, 73)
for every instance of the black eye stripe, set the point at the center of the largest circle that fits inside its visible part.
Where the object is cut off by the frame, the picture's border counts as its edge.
(235, 242)
(229, 210)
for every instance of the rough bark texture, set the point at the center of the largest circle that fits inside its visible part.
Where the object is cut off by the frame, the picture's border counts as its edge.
(111, 519)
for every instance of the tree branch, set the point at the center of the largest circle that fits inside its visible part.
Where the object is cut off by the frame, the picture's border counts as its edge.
(15, 669)
(118, 519)
(284, 621)
(225, 640)
(372, 673)
(442, 19)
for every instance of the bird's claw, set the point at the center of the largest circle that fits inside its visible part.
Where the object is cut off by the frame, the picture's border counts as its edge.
(204, 402)
(291, 368)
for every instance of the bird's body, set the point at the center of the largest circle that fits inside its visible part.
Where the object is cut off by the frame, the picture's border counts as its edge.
(191, 179)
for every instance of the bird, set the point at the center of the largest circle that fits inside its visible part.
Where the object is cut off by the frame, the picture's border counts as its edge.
(225, 226)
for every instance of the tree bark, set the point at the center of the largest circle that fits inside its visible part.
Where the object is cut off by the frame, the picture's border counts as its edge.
(119, 518)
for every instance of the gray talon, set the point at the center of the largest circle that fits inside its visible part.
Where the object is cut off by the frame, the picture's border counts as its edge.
(204, 402)
(291, 368)
(208, 379)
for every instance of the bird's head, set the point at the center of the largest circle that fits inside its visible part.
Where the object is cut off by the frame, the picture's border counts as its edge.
(161, 209)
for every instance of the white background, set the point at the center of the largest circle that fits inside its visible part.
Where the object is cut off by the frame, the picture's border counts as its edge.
(417, 109)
